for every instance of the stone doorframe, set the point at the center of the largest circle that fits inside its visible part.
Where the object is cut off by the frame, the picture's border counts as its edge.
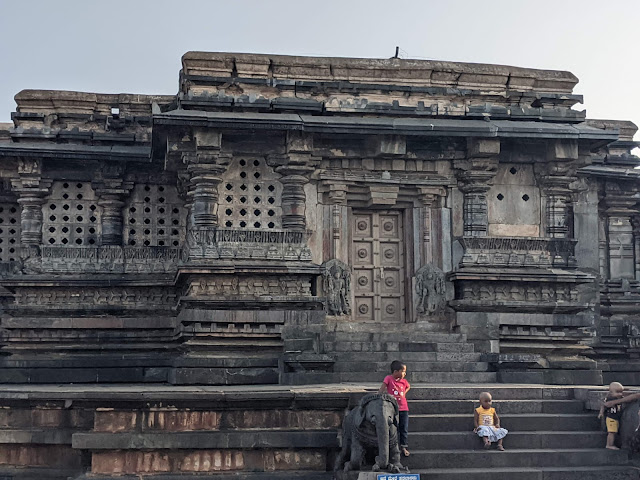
(425, 213)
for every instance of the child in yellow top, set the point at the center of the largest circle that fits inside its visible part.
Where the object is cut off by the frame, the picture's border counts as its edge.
(487, 422)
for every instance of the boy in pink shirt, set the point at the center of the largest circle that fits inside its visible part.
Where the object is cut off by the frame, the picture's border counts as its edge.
(397, 386)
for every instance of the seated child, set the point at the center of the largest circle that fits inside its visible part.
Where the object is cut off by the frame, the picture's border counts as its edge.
(397, 386)
(612, 414)
(487, 423)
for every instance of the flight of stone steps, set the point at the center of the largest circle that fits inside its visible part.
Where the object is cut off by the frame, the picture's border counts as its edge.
(552, 437)
(431, 357)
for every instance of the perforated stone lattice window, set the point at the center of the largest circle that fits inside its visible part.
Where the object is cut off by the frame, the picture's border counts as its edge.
(250, 196)
(70, 216)
(9, 231)
(154, 217)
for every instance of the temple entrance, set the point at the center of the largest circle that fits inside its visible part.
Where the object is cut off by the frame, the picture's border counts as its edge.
(378, 266)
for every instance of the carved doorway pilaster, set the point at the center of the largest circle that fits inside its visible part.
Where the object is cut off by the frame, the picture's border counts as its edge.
(378, 254)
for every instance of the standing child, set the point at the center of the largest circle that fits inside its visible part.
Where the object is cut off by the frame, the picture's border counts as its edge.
(397, 386)
(487, 423)
(612, 413)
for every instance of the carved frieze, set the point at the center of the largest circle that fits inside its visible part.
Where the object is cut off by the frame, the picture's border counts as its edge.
(517, 252)
(105, 259)
(247, 244)
(82, 297)
(261, 286)
(337, 287)
(527, 295)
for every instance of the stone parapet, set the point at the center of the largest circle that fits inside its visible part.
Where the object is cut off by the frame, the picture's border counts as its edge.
(427, 73)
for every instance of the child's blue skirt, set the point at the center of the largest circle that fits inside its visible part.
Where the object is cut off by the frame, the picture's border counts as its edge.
(493, 433)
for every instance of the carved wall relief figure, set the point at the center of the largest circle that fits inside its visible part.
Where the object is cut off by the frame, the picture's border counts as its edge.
(337, 287)
(430, 289)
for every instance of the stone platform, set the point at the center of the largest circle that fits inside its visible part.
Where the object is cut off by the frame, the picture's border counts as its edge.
(164, 432)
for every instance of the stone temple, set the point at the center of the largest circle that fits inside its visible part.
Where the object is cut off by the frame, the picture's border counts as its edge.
(295, 221)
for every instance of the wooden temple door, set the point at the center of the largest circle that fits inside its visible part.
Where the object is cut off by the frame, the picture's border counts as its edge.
(379, 266)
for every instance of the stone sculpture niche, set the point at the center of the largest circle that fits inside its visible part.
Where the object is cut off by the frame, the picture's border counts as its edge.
(337, 287)
(371, 429)
(430, 290)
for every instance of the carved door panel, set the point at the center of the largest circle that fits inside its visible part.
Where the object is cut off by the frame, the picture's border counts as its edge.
(378, 266)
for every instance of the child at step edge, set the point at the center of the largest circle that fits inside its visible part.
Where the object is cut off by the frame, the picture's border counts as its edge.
(398, 386)
(487, 423)
(634, 441)
(613, 413)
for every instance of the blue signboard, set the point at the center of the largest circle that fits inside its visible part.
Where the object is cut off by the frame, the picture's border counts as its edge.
(398, 476)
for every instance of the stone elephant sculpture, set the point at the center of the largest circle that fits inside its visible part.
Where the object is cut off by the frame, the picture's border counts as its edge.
(371, 427)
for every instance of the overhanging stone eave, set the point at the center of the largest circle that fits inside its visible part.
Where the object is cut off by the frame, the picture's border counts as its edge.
(99, 280)
(77, 152)
(276, 267)
(624, 173)
(522, 274)
(374, 126)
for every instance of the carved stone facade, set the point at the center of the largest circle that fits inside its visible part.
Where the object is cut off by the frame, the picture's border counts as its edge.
(281, 213)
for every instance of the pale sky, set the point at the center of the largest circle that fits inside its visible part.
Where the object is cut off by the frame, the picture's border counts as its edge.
(135, 46)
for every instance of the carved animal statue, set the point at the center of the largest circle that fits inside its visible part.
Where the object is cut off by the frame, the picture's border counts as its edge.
(371, 427)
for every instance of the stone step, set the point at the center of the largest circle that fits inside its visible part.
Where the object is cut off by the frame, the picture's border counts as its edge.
(339, 327)
(448, 349)
(502, 407)
(40, 436)
(412, 367)
(243, 475)
(626, 378)
(39, 473)
(549, 473)
(384, 357)
(513, 458)
(393, 336)
(516, 422)
(305, 378)
(105, 360)
(84, 375)
(499, 391)
(515, 440)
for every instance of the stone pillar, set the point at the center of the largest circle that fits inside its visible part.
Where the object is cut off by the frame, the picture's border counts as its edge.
(430, 199)
(635, 222)
(293, 197)
(204, 168)
(111, 190)
(338, 205)
(620, 210)
(32, 190)
(475, 175)
(554, 179)
(295, 167)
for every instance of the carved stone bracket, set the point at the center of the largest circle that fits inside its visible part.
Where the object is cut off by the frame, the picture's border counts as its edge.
(31, 189)
(430, 288)
(337, 287)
